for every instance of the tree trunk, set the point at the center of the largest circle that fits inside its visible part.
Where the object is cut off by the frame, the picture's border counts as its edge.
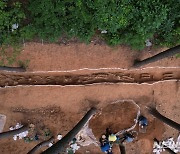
(166, 148)
(168, 121)
(13, 69)
(61, 145)
(164, 54)
(40, 145)
(122, 149)
(13, 132)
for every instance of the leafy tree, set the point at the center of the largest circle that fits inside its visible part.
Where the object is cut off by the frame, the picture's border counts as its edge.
(79, 20)
(46, 18)
(143, 18)
(168, 33)
(129, 22)
(11, 16)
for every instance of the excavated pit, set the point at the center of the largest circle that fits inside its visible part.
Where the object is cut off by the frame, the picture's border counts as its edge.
(89, 77)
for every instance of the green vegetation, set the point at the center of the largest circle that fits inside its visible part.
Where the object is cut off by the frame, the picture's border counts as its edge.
(24, 64)
(10, 18)
(129, 22)
(178, 56)
(7, 58)
(10, 58)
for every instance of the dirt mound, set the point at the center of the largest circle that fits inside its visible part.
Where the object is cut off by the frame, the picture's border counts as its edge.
(116, 116)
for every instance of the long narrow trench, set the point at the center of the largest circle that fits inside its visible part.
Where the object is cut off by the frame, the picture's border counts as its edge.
(85, 78)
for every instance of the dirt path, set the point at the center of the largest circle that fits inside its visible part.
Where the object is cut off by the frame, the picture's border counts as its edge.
(53, 57)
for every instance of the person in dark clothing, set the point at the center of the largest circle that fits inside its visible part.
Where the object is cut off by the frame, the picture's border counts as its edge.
(142, 121)
(106, 146)
(127, 137)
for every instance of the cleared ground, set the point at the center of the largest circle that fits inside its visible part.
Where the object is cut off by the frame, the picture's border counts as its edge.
(60, 107)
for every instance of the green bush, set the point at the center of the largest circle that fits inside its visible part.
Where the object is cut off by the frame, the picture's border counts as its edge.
(142, 19)
(78, 20)
(10, 15)
(129, 22)
(51, 19)
(47, 18)
(168, 33)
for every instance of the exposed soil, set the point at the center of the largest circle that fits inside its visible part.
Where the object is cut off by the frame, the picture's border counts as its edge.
(125, 76)
(116, 117)
(60, 107)
(51, 57)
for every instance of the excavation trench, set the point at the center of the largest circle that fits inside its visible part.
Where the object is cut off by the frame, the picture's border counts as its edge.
(149, 75)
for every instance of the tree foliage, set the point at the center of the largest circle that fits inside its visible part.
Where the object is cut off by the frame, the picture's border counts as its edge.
(10, 14)
(129, 22)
